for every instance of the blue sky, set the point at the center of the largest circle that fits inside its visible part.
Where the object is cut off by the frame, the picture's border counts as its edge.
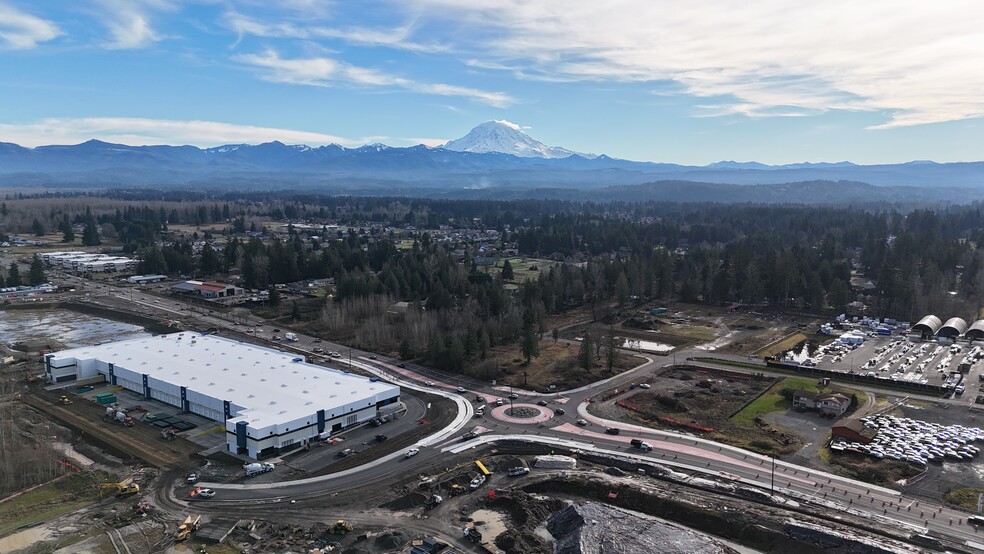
(774, 81)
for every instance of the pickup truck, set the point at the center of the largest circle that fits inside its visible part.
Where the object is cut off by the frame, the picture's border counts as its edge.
(641, 445)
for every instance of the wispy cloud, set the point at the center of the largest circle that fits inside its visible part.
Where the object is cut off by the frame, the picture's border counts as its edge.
(324, 71)
(398, 38)
(918, 62)
(21, 31)
(142, 131)
(129, 22)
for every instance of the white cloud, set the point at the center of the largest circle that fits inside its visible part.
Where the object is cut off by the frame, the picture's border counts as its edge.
(397, 38)
(20, 31)
(920, 62)
(129, 22)
(323, 71)
(143, 131)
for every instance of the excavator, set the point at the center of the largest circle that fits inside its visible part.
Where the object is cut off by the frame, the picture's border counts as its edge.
(189, 526)
(123, 488)
(341, 527)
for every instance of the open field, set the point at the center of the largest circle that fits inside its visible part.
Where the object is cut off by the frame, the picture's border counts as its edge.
(557, 363)
(48, 501)
(773, 400)
(523, 268)
(781, 346)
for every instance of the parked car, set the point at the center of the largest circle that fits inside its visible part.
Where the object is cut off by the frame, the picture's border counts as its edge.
(192, 478)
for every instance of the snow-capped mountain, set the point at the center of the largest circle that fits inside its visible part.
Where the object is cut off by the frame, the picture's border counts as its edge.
(504, 137)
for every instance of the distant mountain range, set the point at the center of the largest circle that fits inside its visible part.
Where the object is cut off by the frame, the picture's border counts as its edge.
(494, 155)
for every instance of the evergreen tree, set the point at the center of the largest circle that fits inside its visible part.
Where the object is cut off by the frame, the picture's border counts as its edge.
(406, 349)
(295, 311)
(209, 261)
(68, 234)
(586, 356)
(37, 228)
(36, 276)
(507, 271)
(531, 339)
(90, 236)
(13, 275)
(274, 297)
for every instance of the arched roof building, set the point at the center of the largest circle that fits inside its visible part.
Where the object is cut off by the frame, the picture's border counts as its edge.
(954, 327)
(976, 331)
(928, 325)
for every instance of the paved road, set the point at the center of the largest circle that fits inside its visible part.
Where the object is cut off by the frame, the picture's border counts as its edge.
(674, 449)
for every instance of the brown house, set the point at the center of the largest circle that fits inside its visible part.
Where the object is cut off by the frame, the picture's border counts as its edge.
(853, 430)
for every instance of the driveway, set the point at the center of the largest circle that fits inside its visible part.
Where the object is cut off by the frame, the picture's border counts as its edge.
(809, 427)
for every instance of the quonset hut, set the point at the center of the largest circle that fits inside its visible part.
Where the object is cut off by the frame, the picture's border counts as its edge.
(269, 400)
(953, 328)
(976, 331)
(928, 326)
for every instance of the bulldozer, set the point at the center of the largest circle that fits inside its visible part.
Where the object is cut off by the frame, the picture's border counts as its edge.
(457, 489)
(64, 400)
(123, 488)
(189, 526)
(341, 527)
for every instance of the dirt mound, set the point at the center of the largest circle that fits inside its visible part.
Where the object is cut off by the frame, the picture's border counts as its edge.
(591, 527)
(391, 540)
(411, 500)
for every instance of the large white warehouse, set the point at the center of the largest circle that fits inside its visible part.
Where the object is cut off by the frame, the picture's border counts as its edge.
(269, 400)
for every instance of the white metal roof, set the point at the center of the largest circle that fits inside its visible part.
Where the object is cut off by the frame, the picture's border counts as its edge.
(269, 384)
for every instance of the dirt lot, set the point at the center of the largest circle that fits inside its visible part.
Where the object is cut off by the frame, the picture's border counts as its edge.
(703, 401)
(557, 363)
(142, 441)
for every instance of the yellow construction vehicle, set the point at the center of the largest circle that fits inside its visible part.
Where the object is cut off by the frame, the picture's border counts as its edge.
(187, 528)
(123, 488)
(65, 399)
(341, 527)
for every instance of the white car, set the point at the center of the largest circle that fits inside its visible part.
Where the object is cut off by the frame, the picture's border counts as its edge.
(645, 386)
(461, 389)
(412, 452)
(205, 493)
(429, 383)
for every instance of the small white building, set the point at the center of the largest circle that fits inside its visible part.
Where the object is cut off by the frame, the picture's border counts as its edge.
(269, 400)
(145, 279)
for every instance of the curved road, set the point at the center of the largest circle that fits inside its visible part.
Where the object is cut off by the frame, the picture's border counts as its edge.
(677, 450)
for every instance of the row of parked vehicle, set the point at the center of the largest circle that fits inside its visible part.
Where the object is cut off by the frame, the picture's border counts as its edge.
(914, 441)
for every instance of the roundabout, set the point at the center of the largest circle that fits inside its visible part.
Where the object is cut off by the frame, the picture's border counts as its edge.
(523, 414)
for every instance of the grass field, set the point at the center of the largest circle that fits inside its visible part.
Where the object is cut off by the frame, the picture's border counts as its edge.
(52, 500)
(773, 401)
(965, 497)
(781, 346)
(522, 267)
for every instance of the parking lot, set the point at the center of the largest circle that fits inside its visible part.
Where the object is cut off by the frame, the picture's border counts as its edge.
(899, 358)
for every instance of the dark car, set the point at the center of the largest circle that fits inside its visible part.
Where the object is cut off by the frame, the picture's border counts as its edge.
(612, 430)
(513, 396)
(559, 411)
(542, 402)
(276, 330)
(381, 438)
